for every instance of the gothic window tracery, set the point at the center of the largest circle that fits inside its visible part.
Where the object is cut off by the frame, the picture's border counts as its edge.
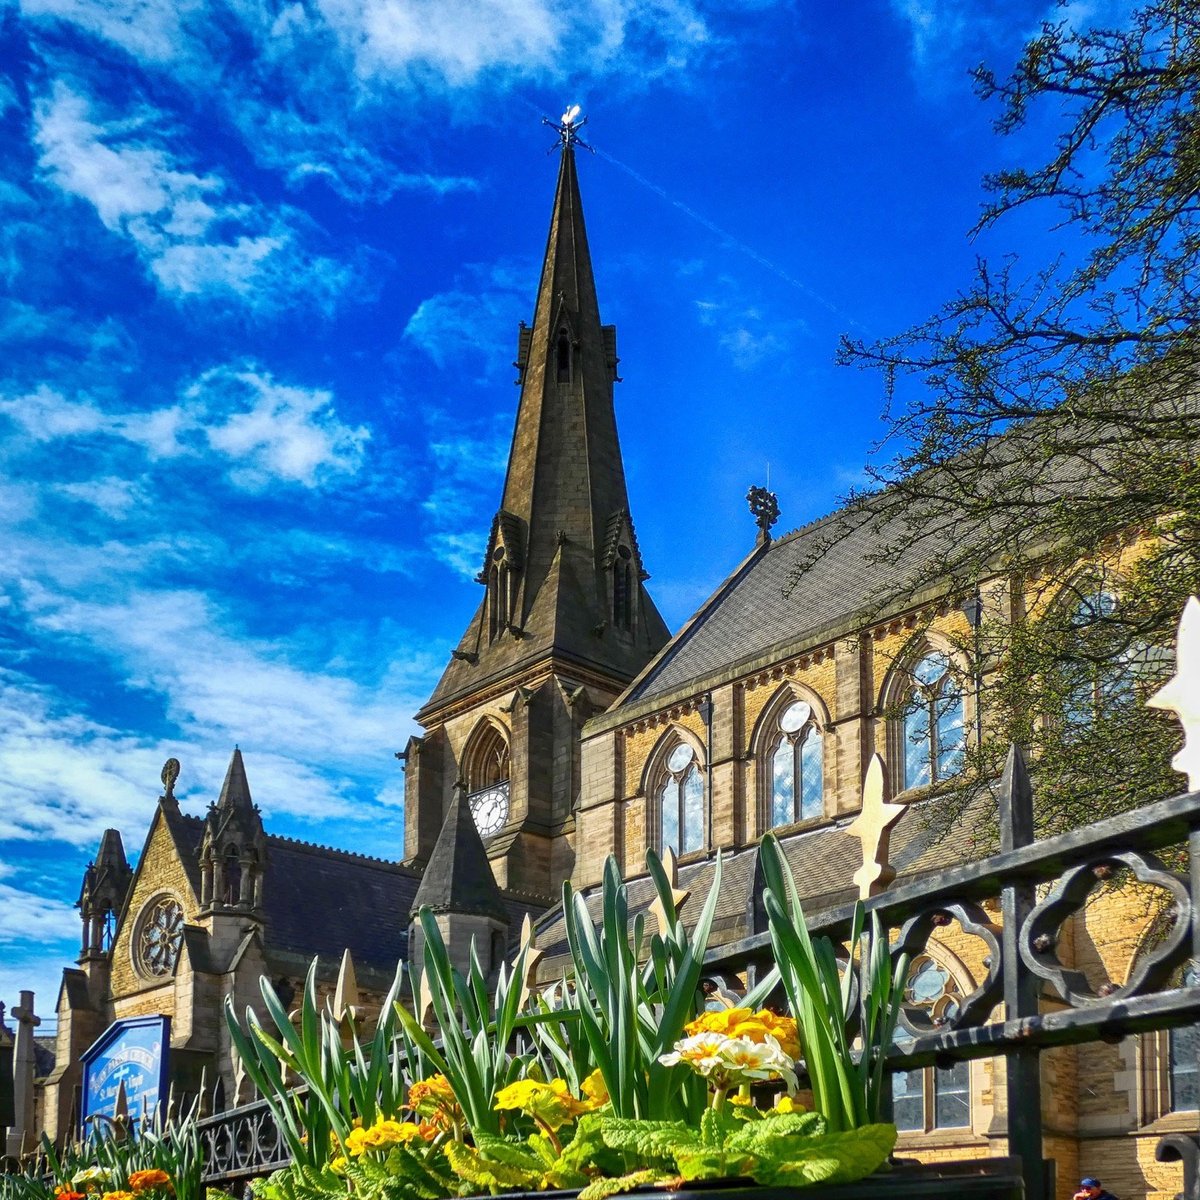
(679, 799)
(933, 726)
(929, 1098)
(796, 766)
(158, 937)
(1101, 664)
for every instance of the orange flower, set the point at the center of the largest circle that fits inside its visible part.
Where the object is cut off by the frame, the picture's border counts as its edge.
(143, 1181)
(63, 1192)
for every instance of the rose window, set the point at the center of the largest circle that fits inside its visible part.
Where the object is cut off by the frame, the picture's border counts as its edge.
(159, 937)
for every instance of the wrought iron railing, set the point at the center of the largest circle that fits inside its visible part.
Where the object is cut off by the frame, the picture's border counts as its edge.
(1039, 886)
(241, 1144)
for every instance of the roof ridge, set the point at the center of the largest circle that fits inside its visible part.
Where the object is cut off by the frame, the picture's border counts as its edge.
(353, 855)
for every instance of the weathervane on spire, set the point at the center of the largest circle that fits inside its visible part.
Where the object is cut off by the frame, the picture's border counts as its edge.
(568, 127)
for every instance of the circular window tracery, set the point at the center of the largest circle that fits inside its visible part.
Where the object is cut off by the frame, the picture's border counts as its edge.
(158, 937)
(932, 988)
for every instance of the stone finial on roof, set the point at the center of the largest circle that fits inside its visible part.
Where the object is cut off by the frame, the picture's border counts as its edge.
(764, 508)
(873, 828)
(458, 877)
(170, 773)
(1181, 693)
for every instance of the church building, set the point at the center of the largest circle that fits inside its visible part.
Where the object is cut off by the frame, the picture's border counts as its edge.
(569, 725)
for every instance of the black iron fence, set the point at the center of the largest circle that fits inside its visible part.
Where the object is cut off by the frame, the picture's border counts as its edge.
(1040, 885)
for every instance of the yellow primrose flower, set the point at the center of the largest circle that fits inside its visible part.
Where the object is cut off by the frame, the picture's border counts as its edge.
(787, 1104)
(356, 1142)
(338, 1165)
(550, 1104)
(595, 1090)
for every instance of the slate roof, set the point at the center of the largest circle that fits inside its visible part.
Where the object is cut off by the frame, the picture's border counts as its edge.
(323, 901)
(458, 877)
(823, 861)
(186, 832)
(757, 610)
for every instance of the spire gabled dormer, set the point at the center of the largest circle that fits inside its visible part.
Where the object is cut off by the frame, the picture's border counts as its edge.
(233, 846)
(102, 895)
(564, 605)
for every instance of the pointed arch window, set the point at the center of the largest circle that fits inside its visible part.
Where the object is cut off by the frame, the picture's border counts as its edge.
(499, 594)
(622, 588)
(232, 876)
(1102, 664)
(679, 796)
(1183, 1057)
(562, 357)
(797, 767)
(929, 1098)
(486, 772)
(933, 725)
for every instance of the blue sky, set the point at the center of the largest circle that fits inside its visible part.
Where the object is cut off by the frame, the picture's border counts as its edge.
(261, 269)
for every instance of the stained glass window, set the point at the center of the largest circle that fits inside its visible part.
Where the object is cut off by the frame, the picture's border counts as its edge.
(797, 767)
(932, 1098)
(934, 726)
(681, 802)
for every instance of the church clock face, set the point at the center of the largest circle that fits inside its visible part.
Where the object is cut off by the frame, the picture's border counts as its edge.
(490, 809)
(157, 937)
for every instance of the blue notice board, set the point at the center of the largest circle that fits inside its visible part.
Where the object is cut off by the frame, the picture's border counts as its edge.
(133, 1052)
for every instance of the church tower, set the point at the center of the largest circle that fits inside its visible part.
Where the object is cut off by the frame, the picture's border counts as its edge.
(565, 621)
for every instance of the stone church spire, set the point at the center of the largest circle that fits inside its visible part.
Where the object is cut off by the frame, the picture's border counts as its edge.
(565, 621)
(562, 572)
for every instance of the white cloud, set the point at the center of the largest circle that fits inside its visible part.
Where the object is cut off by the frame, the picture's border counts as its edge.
(338, 90)
(264, 430)
(274, 431)
(747, 331)
(151, 30)
(192, 240)
(112, 495)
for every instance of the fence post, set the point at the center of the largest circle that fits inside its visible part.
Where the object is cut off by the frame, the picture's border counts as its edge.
(1022, 1066)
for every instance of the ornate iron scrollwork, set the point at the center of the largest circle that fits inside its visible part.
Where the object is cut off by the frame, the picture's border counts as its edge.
(242, 1143)
(1039, 935)
(914, 937)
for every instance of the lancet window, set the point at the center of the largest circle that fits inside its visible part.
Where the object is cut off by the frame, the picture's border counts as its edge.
(934, 732)
(679, 797)
(797, 766)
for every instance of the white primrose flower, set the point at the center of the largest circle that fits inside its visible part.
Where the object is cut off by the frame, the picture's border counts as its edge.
(701, 1052)
(745, 1060)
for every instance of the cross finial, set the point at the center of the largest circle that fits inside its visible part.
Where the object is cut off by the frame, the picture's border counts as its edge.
(873, 828)
(568, 127)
